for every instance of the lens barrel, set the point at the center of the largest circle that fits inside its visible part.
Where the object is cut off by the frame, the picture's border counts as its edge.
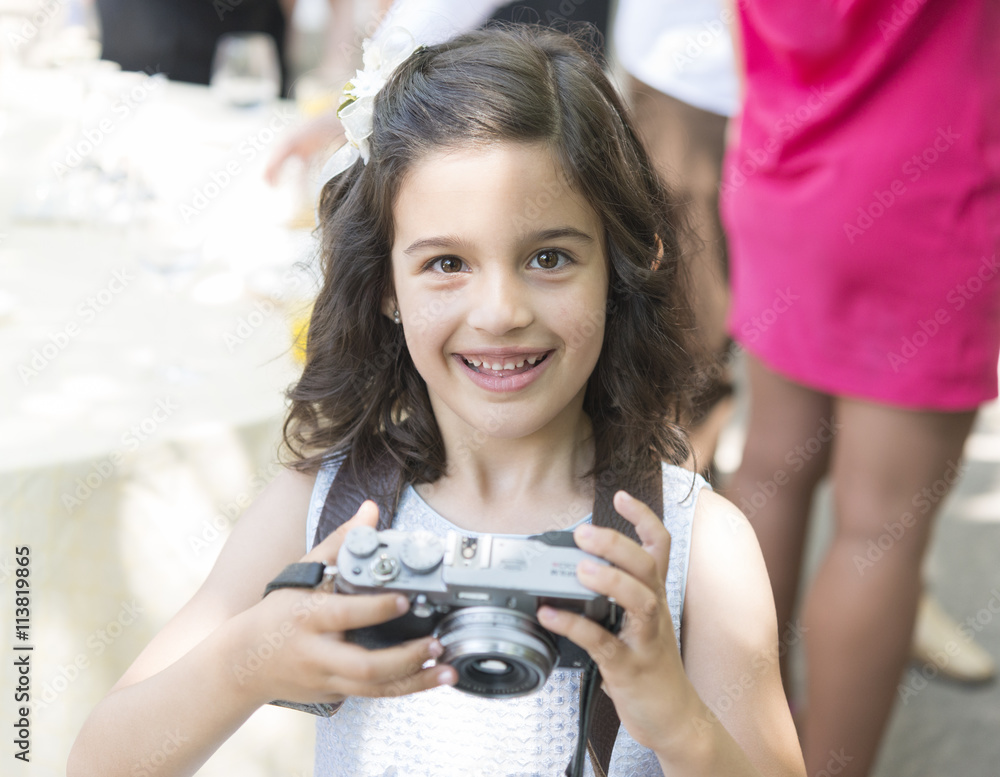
(497, 652)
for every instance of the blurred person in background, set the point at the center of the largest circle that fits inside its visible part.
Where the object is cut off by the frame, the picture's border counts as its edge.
(682, 84)
(178, 37)
(862, 204)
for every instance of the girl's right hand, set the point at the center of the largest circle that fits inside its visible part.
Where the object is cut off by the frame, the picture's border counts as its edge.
(291, 645)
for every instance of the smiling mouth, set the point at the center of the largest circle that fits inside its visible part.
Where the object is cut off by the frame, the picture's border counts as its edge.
(505, 367)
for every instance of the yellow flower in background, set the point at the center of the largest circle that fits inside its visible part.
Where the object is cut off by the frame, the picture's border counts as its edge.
(299, 326)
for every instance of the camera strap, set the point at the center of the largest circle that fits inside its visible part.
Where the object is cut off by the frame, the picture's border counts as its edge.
(598, 717)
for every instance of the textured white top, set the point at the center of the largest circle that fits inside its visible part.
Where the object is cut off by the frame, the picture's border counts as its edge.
(443, 732)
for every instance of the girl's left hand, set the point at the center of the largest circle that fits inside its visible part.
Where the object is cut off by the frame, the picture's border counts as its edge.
(641, 665)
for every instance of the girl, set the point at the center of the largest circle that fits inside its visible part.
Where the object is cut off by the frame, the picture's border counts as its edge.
(501, 316)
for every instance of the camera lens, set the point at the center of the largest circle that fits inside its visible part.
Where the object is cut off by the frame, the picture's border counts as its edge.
(496, 652)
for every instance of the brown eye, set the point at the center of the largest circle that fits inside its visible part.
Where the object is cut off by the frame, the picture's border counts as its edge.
(549, 260)
(450, 264)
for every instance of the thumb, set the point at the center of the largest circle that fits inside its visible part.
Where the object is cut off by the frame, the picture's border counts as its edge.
(327, 550)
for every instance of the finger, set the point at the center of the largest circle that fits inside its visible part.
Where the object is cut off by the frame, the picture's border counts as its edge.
(340, 612)
(382, 666)
(424, 680)
(277, 162)
(648, 525)
(639, 599)
(599, 643)
(274, 166)
(622, 552)
(326, 551)
(391, 671)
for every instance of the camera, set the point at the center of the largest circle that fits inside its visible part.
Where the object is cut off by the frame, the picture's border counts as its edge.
(478, 595)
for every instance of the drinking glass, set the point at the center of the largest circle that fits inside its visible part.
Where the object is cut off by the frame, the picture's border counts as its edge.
(245, 69)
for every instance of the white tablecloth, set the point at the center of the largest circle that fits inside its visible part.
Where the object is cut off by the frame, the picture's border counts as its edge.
(139, 408)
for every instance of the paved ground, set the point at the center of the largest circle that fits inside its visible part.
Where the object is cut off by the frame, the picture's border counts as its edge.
(946, 729)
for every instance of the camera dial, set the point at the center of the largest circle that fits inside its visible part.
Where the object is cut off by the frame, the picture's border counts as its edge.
(362, 541)
(421, 552)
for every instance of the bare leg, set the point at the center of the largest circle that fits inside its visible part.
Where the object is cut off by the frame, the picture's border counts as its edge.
(787, 451)
(891, 468)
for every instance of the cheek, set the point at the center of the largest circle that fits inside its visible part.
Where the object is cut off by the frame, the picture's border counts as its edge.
(428, 325)
(432, 316)
(583, 327)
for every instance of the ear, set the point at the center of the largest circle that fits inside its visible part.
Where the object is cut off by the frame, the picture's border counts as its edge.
(389, 307)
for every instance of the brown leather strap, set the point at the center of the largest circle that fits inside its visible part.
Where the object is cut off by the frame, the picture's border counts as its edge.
(346, 495)
(648, 488)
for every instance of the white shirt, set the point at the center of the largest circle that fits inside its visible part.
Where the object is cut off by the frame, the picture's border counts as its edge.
(681, 47)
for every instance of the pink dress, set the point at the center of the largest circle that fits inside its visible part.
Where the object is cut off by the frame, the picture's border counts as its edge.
(862, 200)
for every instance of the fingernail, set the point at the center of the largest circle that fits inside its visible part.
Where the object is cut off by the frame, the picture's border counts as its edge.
(434, 649)
(588, 567)
(584, 531)
(402, 604)
(445, 677)
(547, 615)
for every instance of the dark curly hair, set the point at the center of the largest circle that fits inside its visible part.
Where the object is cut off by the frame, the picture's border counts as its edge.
(360, 396)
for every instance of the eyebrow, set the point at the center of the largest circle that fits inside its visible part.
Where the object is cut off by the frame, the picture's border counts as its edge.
(450, 241)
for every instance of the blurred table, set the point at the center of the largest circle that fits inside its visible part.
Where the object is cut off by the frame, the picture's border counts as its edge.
(149, 280)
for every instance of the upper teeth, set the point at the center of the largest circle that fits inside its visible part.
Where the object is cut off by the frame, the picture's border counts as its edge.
(508, 365)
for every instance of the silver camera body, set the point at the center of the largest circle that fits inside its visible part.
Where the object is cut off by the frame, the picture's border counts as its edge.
(478, 595)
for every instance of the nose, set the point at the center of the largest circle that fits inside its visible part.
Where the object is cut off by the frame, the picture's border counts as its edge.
(501, 303)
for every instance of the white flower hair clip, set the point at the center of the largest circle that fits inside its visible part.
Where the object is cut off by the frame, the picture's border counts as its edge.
(357, 103)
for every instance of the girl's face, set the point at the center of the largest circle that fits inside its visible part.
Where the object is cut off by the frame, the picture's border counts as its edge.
(501, 283)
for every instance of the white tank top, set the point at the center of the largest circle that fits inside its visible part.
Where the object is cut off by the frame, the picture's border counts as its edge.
(447, 733)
